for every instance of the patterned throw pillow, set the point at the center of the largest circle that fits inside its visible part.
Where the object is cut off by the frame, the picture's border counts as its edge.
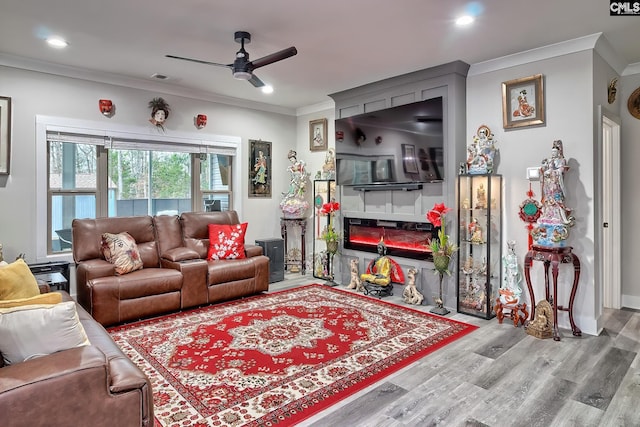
(226, 241)
(121, 250)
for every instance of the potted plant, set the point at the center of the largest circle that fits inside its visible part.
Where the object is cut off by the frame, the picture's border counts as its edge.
(442, 249)
(329, 234)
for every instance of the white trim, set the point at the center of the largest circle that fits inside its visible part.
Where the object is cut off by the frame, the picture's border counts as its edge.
(631, 69)
(631, 301)
(534, 55)
(321, 106)
(87, 127)
(610, 56)
(130, 82)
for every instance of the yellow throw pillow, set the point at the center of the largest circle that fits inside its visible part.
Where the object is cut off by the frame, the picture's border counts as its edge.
(48, 298)
(17, 281)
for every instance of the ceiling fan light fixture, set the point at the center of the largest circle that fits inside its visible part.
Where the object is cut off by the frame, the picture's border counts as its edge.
(241, 75)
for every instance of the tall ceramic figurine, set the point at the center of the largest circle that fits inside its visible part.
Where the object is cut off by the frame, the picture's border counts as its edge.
(510, 291)
(293, 202)
(552, 227)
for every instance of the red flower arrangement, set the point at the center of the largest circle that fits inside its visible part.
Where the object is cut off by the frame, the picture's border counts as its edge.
(441, 247)
(329, 234)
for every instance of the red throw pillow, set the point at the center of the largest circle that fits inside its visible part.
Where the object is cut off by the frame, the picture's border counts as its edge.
(226, 241)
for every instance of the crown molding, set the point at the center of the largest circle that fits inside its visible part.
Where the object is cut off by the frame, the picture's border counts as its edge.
(632, 69)
(130, 82)
(538, 54)
(315, 108)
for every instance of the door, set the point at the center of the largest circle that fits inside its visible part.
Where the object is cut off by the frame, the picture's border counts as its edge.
(611, 248)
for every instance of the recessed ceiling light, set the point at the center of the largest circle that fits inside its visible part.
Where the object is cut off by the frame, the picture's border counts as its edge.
(464, 20)
(57, 42)
(159, 76)
(267, 89)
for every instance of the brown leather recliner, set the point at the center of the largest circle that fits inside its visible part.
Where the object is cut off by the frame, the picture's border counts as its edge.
(94, 385)
(176, 274)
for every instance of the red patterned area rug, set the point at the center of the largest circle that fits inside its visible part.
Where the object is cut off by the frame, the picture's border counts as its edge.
(278, 358)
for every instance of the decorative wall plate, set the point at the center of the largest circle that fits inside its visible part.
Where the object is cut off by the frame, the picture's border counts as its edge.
(634, 103)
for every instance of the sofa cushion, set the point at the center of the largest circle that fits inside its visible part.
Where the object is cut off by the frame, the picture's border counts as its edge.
(31, 331)
(121, 251)
(226, 241)
(17, 281)
(48, 298)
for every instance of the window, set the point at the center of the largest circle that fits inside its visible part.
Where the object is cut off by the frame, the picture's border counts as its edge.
(93, 176)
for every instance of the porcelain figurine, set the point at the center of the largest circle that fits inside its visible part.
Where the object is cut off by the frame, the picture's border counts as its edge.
(552, 228)
(510, 291)
(481, 152)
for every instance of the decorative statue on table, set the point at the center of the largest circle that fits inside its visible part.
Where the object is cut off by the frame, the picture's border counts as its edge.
(293, 202)
(481, 151)
(552, 228)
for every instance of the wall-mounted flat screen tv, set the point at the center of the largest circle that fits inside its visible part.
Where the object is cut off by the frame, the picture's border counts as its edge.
(395, 145)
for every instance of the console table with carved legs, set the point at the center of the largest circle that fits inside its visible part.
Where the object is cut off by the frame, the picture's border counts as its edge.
(553, 257)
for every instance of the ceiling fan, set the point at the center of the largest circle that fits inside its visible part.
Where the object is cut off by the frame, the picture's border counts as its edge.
(242, 68)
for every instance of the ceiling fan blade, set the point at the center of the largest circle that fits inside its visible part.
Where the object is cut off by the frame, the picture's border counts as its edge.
(254, 80)
(199, 61)
(274, 57)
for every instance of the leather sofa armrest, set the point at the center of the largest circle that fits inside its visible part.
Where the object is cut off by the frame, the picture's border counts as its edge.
(42, 370)
(180, 254)
(252, 250)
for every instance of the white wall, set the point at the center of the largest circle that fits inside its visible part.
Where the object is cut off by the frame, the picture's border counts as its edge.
(569, 117)
(630, 153)
(35, 93)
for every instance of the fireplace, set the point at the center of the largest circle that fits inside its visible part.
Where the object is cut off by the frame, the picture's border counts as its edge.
(403, 239)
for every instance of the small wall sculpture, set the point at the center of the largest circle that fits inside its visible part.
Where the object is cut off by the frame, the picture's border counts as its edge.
(552, 228)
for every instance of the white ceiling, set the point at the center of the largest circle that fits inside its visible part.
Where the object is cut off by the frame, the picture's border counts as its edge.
(341, 43)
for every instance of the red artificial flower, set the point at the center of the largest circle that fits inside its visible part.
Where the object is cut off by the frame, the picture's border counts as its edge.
(434, 216)
(330, 207)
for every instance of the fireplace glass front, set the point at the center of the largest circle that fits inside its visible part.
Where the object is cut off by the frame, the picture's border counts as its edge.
(402, 238)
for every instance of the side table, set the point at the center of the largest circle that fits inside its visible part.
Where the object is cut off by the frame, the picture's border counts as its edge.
(55, 274)
(553, 257)
(299, 222)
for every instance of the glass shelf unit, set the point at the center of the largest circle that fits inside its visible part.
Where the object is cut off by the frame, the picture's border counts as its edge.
(480, 242)
(324, 190)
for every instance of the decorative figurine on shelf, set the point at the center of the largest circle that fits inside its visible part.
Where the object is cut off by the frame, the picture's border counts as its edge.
(355, 282)
(159, 112)
(411, 295)
(481, 197)
(329, 166)
(475, 232)
(293, 204)
(481, 152)
(552, 227)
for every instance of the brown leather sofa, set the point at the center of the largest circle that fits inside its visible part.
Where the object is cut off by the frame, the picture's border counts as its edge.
(94, 385)
(175, 273)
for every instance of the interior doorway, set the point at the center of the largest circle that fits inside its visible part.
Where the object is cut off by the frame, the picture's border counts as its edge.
(611, 220)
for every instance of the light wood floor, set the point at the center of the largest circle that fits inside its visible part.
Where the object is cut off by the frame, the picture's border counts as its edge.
(500, 376)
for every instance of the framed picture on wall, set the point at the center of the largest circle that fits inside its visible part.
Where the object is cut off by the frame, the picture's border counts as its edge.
(409, 159)
(523, 102)
(259, 168)
(318, 135)
(5, 134)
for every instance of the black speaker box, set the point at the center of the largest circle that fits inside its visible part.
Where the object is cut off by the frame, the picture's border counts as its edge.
(274, 249)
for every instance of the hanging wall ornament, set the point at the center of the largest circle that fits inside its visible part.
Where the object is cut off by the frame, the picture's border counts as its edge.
(106, 107)
(529, 212)
(159, 112)
(200, 121)
(612, 90)
(634, 103)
